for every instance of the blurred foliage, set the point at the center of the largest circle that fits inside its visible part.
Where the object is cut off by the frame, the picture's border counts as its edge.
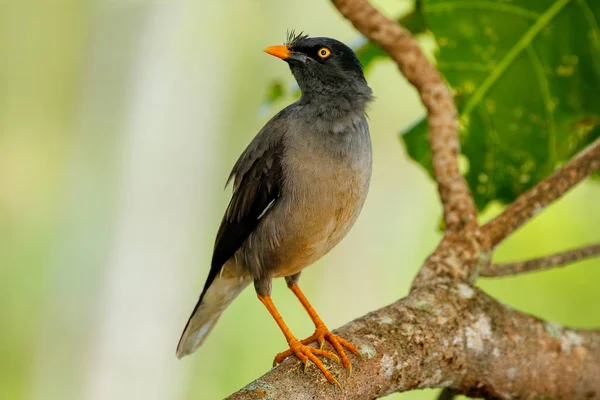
(525, 77)
(276, 91)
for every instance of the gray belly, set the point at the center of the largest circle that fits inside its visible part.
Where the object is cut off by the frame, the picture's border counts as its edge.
(325, 187)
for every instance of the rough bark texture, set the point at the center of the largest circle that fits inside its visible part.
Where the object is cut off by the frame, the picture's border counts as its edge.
(536, 264)
(446, 333)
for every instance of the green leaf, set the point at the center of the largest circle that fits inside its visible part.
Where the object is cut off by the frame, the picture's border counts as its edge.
(274, 92)
(368, 52)
(417, 144)
(526, 76)
(415, 20)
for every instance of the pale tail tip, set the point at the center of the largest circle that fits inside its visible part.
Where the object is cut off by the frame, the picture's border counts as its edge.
(181, 353)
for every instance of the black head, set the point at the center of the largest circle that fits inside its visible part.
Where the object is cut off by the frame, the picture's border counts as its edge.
(321, 65)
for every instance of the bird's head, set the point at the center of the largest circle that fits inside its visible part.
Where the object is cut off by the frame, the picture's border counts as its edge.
(323, 67)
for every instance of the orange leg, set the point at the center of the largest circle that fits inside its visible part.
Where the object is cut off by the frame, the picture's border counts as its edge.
(302, 351)
(321, 334)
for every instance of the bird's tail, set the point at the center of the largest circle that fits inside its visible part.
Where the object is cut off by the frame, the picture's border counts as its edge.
(209, 308)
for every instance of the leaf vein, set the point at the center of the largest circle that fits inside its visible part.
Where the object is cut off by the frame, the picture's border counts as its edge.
(512, 54)
(590, 18)
(547, 99)
(465, 66)
(507, 8)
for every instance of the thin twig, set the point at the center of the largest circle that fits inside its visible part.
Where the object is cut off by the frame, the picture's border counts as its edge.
(459, 209)
(541, 263)
(532, 202)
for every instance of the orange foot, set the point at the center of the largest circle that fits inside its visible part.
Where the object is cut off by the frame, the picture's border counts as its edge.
(321, 334)
(307, 353)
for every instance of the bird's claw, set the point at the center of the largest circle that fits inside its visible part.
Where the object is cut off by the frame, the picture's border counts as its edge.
(321, 335)
(338, 343)
(307, 353)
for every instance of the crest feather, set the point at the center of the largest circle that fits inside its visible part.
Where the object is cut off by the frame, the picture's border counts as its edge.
(293, 38)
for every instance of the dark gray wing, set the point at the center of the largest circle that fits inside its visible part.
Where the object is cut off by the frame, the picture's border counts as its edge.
(257, 186)
(258, 189)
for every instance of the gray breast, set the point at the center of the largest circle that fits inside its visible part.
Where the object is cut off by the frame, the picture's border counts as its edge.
(327, 169)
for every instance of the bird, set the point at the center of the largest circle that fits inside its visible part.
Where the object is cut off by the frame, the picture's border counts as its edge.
(298, 188)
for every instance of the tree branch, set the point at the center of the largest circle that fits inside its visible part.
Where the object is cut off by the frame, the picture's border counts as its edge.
(449, 335)
(532, 202)
(459, 209)
(541, 263)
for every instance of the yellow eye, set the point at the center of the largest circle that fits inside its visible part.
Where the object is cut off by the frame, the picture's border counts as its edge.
(324, 52)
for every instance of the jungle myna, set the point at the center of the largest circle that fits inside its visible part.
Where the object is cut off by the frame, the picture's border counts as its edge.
(297, 190)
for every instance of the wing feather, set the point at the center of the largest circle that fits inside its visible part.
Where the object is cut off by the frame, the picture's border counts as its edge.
(257, 182)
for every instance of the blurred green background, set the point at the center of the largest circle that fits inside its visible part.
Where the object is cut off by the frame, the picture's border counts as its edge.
(119, 123)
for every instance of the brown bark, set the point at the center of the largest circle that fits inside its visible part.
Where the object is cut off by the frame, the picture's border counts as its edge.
(446, 333)
(541, 263)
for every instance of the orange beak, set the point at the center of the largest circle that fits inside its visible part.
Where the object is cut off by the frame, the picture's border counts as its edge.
(278, 51)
